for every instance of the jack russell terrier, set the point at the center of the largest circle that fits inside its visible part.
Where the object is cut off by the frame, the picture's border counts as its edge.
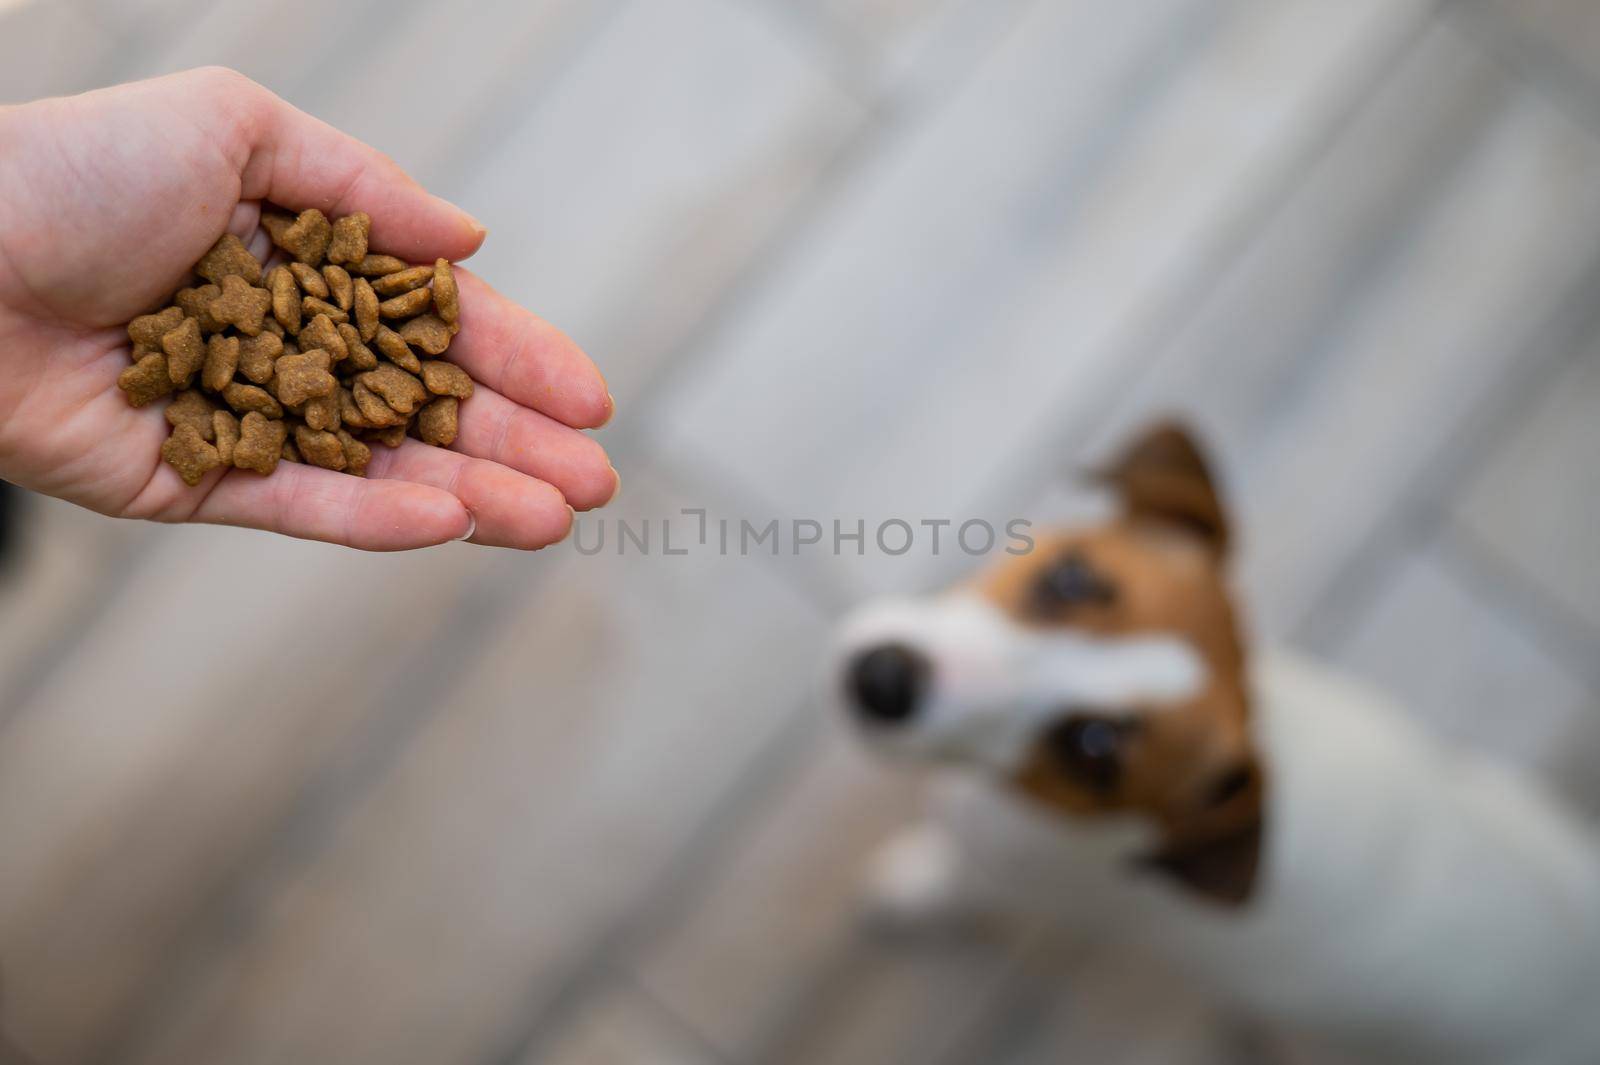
(1285, 837)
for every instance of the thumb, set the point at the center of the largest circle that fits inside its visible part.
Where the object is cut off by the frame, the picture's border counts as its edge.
(300, 162)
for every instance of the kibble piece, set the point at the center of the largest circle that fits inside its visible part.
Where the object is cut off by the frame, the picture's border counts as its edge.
(229, 257)
(373, 410)
(407, 305)
(400, 390)
(366, 308)
(340, 285)
(270, 325)
(350, 235)
(148, 329)
(256, 356)
(446, 297)
(303, 377)
(189, 454)
(225, 429)
(323, 411)
(446, 379)
(358, 355)
(320, 448)
(356, 454)
(185, 352)
(393, 436)
(379, 266)
(322, 333)
(285, 298)
(289, 452)
(248, 399)
(222, 362)
(311, 307)
(349, 414)
(436, 423)
(310, 281)
(308, 237)
(396, 350)
(406, 280)
(138, 352)
(276, 223)
(260, 443)
(193, 409)
(241, 305)
(196, 304)
(428, 332)
(146, 381)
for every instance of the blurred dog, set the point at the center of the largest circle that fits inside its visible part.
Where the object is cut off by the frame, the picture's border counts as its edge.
(1285, 836)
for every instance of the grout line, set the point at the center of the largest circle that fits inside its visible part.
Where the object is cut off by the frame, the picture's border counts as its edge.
(1530, 60)
(686, 1031)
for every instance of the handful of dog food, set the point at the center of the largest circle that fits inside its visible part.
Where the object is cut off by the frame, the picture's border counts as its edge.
(282, 365)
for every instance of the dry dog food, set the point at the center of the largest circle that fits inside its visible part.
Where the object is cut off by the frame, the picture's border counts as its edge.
(311, 361)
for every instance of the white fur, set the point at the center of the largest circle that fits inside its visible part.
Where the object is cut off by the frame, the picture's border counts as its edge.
(995, 682)
(1416, 904)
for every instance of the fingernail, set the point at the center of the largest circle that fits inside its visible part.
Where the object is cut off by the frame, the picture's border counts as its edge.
(611, 411)
(617, 477)
(472, 527)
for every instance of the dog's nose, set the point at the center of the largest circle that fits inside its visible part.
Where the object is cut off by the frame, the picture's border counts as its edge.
(886, 682)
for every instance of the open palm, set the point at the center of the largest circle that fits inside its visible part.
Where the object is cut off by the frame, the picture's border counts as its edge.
(107, 199)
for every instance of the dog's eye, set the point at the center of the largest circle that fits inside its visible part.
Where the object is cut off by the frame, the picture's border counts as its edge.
(1089, 748)
(1071, 581)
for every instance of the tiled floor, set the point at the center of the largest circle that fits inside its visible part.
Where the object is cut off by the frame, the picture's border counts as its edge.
(840, 259)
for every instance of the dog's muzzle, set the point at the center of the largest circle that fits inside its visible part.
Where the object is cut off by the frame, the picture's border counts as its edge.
(885, 684)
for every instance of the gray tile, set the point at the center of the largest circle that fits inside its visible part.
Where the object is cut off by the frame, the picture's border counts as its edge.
(1536, 504)
(1465, 666)
(976, 280)
(1565, 31)
(48, 49)
(541, 799)
(622, 1027)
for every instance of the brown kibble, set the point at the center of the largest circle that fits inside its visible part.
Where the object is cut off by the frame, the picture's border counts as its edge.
(303, 377)
(260, 443)
(319, 447)
(248, 399)
(310, 281)
(350, 235)
(446, 297)
(393, 436)
(196, 304)
(190, 407)
(222, 362)
(148, 329)
(270, 325)
(396, 350)
(256, 356)
(185, 352)
(307, 238)
(322, 333)
(428, 332)
(229, 257)
(436, 423)
(311, 307)
(349, 414)
(289, 452)
(340, 285)
(446, 379)
(285, 298)
(379, 266)
(356, 454)
(373, 410)
(323, 411)
(189, 454)
(366, 308)
(276, 223)
(407, 305)
(400, 390)
(241, 305)
(146, 381)
(406, 280)
(225, 430)
(358, 355)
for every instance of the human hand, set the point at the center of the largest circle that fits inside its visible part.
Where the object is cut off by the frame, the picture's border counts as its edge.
(106, 201)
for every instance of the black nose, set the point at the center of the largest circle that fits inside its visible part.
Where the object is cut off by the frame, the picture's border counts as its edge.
(886, 682)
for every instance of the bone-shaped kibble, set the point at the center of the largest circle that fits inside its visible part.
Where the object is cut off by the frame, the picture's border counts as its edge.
(241, 305)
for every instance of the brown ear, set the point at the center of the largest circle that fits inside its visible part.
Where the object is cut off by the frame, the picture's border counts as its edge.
(1164, 477)
(1215, 851)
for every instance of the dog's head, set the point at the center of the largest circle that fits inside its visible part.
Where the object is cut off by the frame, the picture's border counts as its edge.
(1101, 673)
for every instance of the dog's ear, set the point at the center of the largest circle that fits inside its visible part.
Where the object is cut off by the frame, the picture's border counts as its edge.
(1163, 477)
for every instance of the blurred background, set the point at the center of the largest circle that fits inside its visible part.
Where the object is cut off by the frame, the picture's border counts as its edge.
(851, 259)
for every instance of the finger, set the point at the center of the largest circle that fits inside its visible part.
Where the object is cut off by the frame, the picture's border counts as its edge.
(317, 504)
(494, 428)
(299, 162)
(511, 509)
(526, 359)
